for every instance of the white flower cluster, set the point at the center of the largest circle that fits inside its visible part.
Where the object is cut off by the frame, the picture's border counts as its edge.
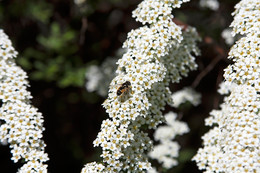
(167, 150)
(225, 88)
(22, 124)
(156, 55)
(99, 78)
(186, 95)
(246, 18)
(211, 4)
(227, 36)
(79, 2)
(234, 144)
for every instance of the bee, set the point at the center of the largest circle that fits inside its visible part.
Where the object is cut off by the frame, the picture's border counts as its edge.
(124, 88)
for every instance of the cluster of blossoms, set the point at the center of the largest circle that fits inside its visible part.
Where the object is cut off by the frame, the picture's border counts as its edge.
(79, 2)
(227, 36)
(211, 4)
(156, 54)
(99, 77)
(186, 95)
(234, 144)
(167, 150)
(21, 123)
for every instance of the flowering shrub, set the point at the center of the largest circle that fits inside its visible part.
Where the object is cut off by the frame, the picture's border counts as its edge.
(21, 123)
(157, 54)
(234, 144)
(58, 38)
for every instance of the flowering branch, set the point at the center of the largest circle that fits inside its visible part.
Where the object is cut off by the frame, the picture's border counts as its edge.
(233, 145)
(21, 123)
(157, 54)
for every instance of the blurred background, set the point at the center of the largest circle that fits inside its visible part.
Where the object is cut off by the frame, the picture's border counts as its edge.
(58, 40)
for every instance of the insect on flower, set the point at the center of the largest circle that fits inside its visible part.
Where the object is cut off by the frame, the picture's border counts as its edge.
(124, 88)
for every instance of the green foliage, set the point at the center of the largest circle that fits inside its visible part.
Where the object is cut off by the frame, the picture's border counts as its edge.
(52, 54)
(53, 50)
(39, 11)
(186, 155)
(56, 60)
(59, 41)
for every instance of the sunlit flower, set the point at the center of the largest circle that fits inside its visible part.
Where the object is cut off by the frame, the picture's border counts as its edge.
(22, 123)
(156, 54)
(167, 150)
(233, 145)
(98, 78)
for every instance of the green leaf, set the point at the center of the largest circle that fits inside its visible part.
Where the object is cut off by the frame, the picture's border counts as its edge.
(39, 10)
(74, 78)
(186, 155)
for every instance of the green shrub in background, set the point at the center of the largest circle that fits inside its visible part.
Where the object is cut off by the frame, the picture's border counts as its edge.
(58, 60)
(50, 38)
(53, 57)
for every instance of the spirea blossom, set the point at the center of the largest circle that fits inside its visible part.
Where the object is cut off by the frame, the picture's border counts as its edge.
(227, 36)
(211, 4)
(167, 150)
(79, 2)
(21, 123)
(186, 95)
(233, 145)
(156, 54)
(99, 77)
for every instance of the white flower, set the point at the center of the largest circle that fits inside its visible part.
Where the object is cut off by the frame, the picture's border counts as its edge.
(152, 170)
(186, 95)
(79, 2)
(94, 77)
(233, 145)
(211, 4)
(167, 150)
(227, 36)
(99, 78)
(22, 123)
(156, 54)
(93, 168)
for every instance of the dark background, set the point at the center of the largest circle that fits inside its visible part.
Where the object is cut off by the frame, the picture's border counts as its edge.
(57, 41)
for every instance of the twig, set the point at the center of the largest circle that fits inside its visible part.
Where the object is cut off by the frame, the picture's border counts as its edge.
(206, 71)
(83, 30)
